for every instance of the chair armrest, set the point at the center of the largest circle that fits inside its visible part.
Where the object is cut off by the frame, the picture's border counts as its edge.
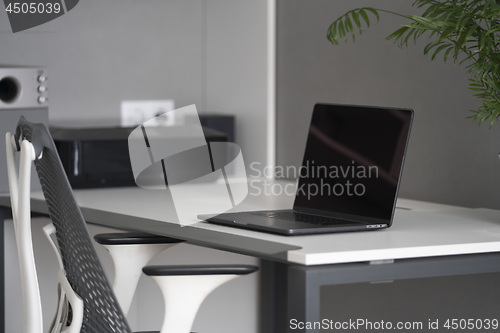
(199, 270)
(131, 251)
(185, 287)
(127, 238)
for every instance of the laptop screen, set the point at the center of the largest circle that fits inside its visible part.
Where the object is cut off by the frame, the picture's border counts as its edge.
(353, 160)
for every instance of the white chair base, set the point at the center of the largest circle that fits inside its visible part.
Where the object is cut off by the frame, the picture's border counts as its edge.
(183, 296)
(128, 261)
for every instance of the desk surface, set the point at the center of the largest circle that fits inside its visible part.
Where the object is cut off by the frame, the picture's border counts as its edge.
(419, 229)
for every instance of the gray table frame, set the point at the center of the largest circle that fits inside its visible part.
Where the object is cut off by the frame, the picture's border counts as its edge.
(287, 290)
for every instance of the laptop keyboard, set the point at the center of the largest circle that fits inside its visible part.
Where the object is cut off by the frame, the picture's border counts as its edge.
(300, 217)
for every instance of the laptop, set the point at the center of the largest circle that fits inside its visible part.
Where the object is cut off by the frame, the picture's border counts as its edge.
(349, 177)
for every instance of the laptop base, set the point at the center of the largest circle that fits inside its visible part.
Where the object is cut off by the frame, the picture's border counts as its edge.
(259, 222)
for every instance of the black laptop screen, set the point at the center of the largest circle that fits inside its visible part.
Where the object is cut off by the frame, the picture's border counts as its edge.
(353, 160)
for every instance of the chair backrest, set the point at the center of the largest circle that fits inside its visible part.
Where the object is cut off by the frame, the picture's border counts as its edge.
(82, 266)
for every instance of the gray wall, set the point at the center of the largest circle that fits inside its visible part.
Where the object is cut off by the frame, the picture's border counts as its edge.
(210, 53)
(102, 52)
(236, 69)
(450, 159)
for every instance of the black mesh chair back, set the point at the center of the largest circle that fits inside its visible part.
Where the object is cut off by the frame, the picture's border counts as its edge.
(83, 268)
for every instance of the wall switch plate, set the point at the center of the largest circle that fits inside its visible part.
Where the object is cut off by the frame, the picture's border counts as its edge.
(134, 113)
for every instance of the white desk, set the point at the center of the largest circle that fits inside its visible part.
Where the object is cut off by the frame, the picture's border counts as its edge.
(426, 240)
(420, 229)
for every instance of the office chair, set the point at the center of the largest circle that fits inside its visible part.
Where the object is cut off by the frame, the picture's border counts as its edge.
(87, 301)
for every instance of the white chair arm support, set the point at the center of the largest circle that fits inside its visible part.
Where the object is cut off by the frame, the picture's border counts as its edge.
(185, 287)
(76, 305)
(49, 230)
(61, 316)
(183, 296)
(128, 261)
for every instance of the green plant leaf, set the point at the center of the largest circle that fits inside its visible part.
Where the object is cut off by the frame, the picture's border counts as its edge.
(355, 18)
(342, 30)
(482, 41)
(373, 11)
(346, 24)
(398, 33)
(438, 50)
(365, 17)
(349, 27)
(447, 53)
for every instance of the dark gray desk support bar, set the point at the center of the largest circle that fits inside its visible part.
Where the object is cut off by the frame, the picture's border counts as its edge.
(273, 296)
